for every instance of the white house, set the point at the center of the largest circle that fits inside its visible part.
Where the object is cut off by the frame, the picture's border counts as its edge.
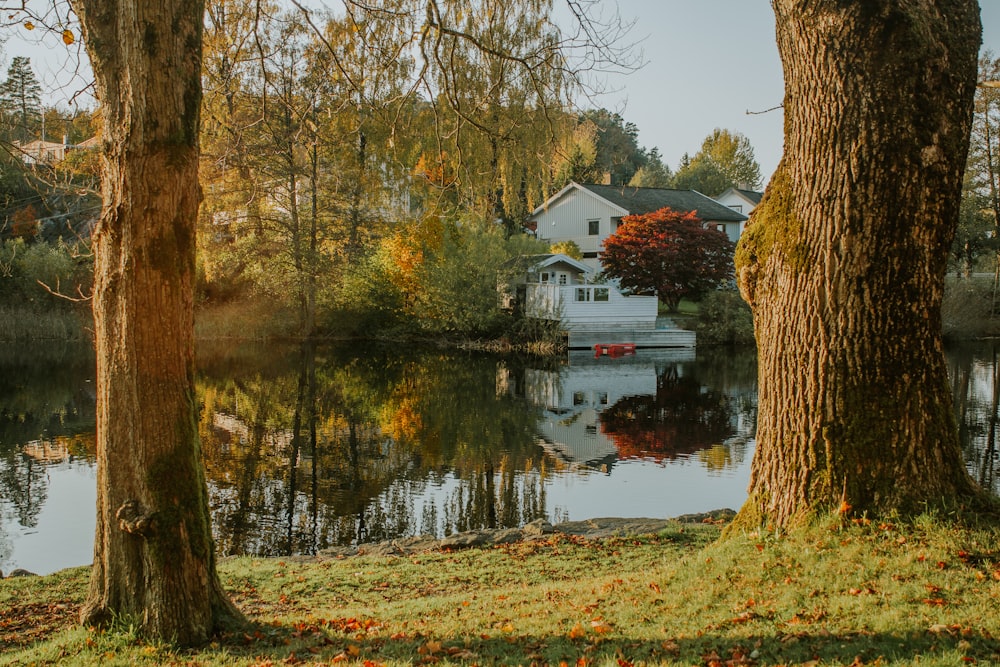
(740, 200)
(588, 214)
(560, 288)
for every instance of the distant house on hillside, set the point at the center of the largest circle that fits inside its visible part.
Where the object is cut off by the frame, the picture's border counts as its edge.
(587, 214)
(50, 152)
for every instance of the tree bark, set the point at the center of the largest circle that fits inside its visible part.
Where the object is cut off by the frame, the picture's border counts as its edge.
(154, 562)
(844, 260)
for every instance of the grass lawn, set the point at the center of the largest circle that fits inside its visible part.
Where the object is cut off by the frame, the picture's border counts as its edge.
(862, 593)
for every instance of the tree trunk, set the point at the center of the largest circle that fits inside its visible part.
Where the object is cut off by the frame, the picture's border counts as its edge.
(844, 260)
(154, 562)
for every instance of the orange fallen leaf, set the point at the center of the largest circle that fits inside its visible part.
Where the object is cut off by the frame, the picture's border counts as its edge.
(599, 626)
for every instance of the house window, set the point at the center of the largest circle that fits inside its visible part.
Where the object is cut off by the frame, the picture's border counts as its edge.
(590, 255)
(737, 207)
(616, 223)
(582, 294)
(593, 227)
(562, 278)
(547, 277)
(600, 294)
(579, 398)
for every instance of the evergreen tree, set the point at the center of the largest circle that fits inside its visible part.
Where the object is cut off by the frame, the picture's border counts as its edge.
(21, 100)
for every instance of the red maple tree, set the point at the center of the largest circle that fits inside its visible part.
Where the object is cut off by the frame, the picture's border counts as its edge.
(669, 253)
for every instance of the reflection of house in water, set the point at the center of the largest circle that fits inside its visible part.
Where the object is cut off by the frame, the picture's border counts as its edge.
(59, 448)
(231, 428)
(47, 451)
(573, 397)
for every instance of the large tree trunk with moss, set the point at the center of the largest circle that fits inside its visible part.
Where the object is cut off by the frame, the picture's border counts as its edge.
(153, 557)
(844, 260)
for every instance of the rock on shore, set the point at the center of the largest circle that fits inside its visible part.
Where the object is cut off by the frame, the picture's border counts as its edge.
(594, 529)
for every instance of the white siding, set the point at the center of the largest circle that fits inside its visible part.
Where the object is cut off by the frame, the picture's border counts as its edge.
(566, 220)
(554, 302)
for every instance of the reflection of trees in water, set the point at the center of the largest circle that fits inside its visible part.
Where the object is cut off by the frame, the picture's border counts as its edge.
(975, 381)
(332, 448)
(682, 418)
(47, 414)
(505, 497)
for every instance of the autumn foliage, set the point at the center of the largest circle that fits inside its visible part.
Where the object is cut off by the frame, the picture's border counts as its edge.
(669, 253)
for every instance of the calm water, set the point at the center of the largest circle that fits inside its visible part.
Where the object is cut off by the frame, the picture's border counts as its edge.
(308, 448)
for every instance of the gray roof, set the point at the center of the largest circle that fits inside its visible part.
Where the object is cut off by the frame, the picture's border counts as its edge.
(530, 262)
(752, 195)
(638, 201)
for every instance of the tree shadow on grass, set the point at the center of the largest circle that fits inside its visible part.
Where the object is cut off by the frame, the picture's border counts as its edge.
(319, 642)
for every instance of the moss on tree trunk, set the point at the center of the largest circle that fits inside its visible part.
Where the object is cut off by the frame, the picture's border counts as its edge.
(153, 557)
(843, 262)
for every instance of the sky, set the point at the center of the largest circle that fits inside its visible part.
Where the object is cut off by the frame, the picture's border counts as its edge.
(708, 63)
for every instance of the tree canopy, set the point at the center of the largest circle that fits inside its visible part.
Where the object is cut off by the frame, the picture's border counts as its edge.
(668, 253)
(726, 159)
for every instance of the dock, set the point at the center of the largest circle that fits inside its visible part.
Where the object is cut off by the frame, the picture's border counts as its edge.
(642, 338)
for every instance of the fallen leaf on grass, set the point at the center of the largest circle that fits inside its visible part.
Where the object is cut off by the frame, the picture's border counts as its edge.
(430, 648)
(599, 626)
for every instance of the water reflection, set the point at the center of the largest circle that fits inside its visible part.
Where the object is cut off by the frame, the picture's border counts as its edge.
(346, 447)
(975, 383)
(308, 447)
(47, 407)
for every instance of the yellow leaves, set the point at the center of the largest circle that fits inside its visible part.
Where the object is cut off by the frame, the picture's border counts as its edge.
(67, 37)
(28, 25)
(598, 626)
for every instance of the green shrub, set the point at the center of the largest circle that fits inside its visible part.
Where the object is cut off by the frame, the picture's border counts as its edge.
(724, 318)
(965, 310)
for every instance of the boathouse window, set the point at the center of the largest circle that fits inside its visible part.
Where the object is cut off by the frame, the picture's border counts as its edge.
(593, 227)
(600, 294)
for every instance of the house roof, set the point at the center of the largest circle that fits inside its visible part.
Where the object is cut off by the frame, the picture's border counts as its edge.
(530, 262)
(751, 196)
(638, 201)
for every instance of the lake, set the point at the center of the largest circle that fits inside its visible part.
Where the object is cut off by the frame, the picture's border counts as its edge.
(315, 446)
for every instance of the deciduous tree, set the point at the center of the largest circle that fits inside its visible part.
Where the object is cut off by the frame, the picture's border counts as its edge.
(725, 160)
(154, 560)
(669, 253)
(843, 262)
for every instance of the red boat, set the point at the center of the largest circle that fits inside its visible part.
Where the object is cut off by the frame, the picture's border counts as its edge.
(613, 350)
